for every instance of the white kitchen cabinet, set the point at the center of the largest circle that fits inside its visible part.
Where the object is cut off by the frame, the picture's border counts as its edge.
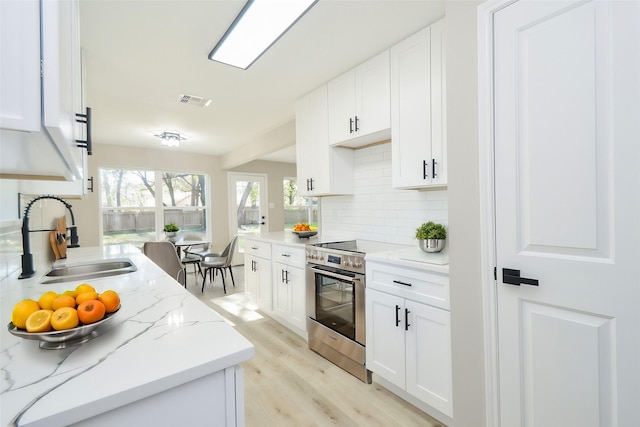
(359, 104)
(324, 170)
(408, 340)
(257, 273)
(289, 287)
(418, 109)
(41, 91)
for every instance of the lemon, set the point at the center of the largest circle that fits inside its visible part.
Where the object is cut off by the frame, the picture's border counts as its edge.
(39, 321)
(64, 318)
(84, 287)
(22, 310)
(46, 299)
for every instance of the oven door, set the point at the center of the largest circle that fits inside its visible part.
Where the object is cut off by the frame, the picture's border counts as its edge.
(338, 301)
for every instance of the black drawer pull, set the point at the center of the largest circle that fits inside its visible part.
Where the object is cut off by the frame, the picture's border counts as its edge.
(402, 283)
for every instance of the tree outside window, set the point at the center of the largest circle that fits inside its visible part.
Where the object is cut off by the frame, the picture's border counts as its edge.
(297, 208)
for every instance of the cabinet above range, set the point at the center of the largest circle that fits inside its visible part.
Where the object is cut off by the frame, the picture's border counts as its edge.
(42, 118)
(359, 104)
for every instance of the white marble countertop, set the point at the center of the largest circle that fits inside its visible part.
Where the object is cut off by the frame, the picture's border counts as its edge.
(401, 255)
(413, 257)
(161, 337)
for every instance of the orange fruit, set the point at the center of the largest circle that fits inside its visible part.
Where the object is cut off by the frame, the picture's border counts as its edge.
(74, 294)
(39, 321)
(91, 311)
(86, 296)
(84, 287)
(111, 300)
(64, 318)
(46, 299)
(63, 301)
(22, 311)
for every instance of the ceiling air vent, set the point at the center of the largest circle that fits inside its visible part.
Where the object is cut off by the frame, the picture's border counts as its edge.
(198, 101)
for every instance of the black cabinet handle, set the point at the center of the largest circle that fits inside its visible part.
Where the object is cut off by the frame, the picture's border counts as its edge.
(357, 129)
(402, 283)
(311, 184)
(433, 168)
(90, 188)
(406, 319)
(350, 125)
(512, 277)
(425, 173)
(397, 315)
(87, 143)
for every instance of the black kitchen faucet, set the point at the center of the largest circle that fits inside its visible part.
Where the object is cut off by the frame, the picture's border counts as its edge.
(27, 256)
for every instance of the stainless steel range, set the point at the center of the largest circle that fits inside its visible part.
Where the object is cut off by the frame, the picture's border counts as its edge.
(335, 304)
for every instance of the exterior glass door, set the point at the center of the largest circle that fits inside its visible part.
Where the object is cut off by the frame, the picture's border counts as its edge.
(247, 208)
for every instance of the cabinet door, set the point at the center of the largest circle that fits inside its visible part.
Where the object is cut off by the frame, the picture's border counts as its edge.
(20, 59)
(312, 151)
(263, 273)
(297, 295)
(322, 170)
(411, 111)
(438, 104)
(61, 78)
(342, 107)
(373, 97)
(428, 355)
(385, 349)
(280, 290)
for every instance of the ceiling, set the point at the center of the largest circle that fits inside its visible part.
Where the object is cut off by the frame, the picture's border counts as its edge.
(141, 55)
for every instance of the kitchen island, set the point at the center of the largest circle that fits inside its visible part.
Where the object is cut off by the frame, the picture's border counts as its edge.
(164, 358)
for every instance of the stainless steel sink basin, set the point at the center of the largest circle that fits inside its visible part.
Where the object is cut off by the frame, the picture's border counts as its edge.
(94, 270)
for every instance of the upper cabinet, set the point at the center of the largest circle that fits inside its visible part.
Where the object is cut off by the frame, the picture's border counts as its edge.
(42, 116)
(322, 170)
(418, 110)
(359, 104)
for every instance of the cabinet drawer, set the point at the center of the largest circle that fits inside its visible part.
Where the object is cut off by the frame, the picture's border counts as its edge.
(289, 255)
(257, 248)
(414, 284)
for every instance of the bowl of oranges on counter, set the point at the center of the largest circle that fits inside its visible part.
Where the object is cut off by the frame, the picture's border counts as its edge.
(304, 230)
(60, 320)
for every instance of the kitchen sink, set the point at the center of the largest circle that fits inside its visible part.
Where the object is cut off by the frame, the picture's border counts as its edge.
(93, 270)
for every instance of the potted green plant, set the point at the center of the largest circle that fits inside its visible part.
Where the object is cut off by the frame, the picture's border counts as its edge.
(431, 236)
(171, 230)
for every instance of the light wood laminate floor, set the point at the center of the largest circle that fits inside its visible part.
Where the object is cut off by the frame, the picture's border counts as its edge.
(286, 384)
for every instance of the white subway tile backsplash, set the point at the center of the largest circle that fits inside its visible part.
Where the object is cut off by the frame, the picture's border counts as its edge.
(376, 211)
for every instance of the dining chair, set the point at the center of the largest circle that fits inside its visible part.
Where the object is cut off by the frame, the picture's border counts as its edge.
(214, 263)
(194, 254)
(165, 256)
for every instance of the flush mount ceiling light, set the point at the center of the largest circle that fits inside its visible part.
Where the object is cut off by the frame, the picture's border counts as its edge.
(258, 26)
(170, 139)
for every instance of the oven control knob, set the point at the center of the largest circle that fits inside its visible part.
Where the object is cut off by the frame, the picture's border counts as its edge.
(348, 263)
(357, 265)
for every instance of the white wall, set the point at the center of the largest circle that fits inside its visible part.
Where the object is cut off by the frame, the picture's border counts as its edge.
(464, 215)
(376, 211)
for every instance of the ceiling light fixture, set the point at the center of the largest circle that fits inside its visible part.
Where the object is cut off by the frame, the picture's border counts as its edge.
(170, 139)
(258, 26)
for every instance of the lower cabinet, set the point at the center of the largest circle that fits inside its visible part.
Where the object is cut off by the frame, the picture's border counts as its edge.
(257, 273)
(289, 287)
(409, 345)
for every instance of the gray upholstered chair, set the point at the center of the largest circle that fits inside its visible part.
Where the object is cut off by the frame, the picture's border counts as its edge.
(193, 255)
(214, 263)
(164, 254)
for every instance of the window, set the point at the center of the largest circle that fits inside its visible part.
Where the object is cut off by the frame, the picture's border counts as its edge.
(297, 208)
(134, 211)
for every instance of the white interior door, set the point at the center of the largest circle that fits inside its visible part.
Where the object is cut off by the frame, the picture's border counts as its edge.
(567, 193)
(247, 208)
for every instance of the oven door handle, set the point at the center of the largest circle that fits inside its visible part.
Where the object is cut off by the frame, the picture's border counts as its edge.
(335, 275)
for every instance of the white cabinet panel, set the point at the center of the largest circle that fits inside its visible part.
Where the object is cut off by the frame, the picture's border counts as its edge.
(42, 92)
(408, 341)
(322, 170)
(359, 104)
(418, 110)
